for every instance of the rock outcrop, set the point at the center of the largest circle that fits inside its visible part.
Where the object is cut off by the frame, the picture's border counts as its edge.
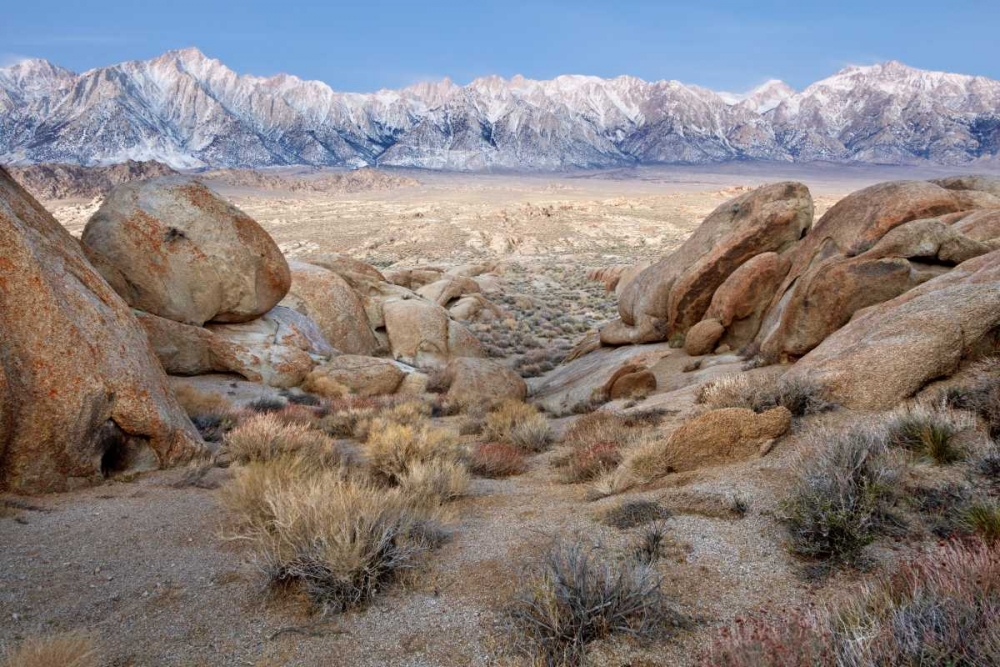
(81, 393)
(422, 334)
(326, 298)
(171, 247)
(279, 349)
(887, 352)
(724, 436)
(364, 376)
(672, 295)
(472, 381)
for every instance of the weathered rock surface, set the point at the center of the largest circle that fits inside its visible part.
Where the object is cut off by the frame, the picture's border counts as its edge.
(811, 303)
(279, 349)
(740, 302)
(81, 393)
(630, 381)
(887, 352)
(421, 334)
(980, 225)
(673, 294)
(365, 376)
(724, 436)
(327, 299)
(448, 289)
(477, 380)
(980, 182)
(359, 275)
(173, 248)
(702, 337)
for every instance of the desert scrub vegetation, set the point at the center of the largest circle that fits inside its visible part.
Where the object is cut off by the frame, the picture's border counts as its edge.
(762, 392)
(843, 494)
(634, 513)
(927, 433)
(981, 396)
(939, 609)
(596, 443)
(71, 649)
(264, 437)
(518, 424)
(497, 459)
(578, 593)
(392, 449)
(338, 538)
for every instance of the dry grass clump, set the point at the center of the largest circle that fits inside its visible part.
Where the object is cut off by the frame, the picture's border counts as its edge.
(321, 384)
(71, 649)
(761, 393)
(497, 459)
(265, 437)
(340, 539)
(519, 424)
(942, 608)
(392, 448)
(634, 513)
(197, 403)
(597, 443)
(982, 396)
(927, 433)
(577, 594)
(843, 494)
(983, 519)
(436, 481)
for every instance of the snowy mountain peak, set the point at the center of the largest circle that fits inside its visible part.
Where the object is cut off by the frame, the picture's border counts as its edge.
(188, 110)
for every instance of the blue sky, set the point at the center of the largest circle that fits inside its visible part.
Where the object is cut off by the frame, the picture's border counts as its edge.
(363, 46)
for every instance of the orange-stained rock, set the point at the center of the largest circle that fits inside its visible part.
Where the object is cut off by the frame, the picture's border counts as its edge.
(81, 393)
(740, 302)
(702, 337)
(422, 334)
(477, 380)
(673, 294)
(724, 436)
(450, 288)
(329, 301)
(364, 376)
(888, 352)
(173, 248)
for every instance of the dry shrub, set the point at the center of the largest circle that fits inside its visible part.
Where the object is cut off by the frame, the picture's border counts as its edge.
(248, 493)
(436, 481)
(590, 462)
(197, 403)
(928, 433)
(345, 423)
(264, 437)
(339, 539)
(942, 608)
(497, 459)
(576, 594)
(598, 442)
(519, 424)
(982, 396)
(393, 448)
(321, 384)
(633, 513)
(71, 649)
(843, 494)
(761, 393)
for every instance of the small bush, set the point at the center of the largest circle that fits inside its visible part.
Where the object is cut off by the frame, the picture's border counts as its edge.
(942, 508)
(597, 443)
(265, 437)
(392, 449)
(940, 609)
(843, 495)
(761, 393)
(926, 433)
(497, 459)
(214, 427)
(983, 519)
(519, 424)
(577, 595)
(266, 404)
(197, 403)
(436, 481)
(72, 649)
(340, 539)
(982, 396)
(321, 384)
(588, 463)
(632, 513)
(650, 545)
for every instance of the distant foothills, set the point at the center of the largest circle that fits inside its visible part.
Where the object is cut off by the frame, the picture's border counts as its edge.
(190, 111)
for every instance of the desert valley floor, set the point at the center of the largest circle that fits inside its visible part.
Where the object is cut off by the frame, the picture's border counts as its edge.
(146, 563)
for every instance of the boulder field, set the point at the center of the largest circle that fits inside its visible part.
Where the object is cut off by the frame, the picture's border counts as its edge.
(893, 287)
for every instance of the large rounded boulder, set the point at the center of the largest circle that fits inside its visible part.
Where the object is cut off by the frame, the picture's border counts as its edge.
(81, 393)
(173, 248)
(672, 295)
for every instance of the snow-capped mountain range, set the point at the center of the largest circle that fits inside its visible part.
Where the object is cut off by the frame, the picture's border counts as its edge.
(190, 111)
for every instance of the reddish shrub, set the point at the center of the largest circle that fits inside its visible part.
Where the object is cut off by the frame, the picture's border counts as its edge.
(497, 459)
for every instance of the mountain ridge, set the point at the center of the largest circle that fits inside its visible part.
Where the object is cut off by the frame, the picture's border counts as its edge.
(191, 111)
